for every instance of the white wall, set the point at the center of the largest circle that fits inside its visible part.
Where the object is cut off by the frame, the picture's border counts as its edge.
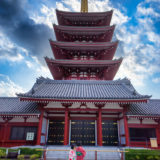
(44, 125)
(144, 121)
(134, 121)
(112, 106)
(122, 131)
(89, 105)
(149, 121)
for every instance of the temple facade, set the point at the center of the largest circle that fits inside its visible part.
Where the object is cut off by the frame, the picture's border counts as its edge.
(82, 102)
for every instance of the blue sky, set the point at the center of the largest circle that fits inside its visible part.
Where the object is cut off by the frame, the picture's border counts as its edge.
(26, 26)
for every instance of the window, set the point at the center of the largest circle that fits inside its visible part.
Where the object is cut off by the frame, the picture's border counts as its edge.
(142, 134)
(19, 133)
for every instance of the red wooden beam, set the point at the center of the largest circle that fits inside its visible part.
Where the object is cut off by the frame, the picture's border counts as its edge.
(82, 109)
(19, 115)
(21, 124)
(52, 112)
(85, 100)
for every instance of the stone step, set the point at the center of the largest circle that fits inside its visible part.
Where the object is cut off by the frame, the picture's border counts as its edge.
(90, 155)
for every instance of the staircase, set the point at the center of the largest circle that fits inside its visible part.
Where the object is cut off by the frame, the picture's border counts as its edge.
(111, 153)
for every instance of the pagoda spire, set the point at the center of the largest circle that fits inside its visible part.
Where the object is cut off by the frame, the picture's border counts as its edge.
(84, 5)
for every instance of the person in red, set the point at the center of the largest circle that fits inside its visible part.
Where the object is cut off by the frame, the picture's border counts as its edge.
(81, 153)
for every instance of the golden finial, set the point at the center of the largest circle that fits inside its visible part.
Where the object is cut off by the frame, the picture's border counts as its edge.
(84, 5)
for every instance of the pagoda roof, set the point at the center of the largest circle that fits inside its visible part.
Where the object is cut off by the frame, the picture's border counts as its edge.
(12, 105)
(52, 90)
(83, 62)
(89, 19)
(107, 68)
(60, 48)
(72, 33)
(81, 45)
(152, 108)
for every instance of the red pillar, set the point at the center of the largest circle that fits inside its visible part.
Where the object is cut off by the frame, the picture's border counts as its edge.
(66, 127)
(158, 134)
(5, 135)
(40, 128)
(126, 130)
(100, 127)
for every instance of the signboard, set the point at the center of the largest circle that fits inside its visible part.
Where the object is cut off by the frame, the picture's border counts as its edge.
(30, 136)
(153, 142)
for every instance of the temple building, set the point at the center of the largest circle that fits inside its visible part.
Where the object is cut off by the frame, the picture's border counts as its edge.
(82, 102)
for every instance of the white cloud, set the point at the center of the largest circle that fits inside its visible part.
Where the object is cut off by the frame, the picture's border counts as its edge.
(141, 59)
(156, 80)
(17, 57)
(8, 87)
(38, 68)
(10, 51)
(47, 17)
(153, 37)
(147, 11)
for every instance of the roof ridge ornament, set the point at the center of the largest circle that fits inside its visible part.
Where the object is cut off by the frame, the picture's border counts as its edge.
(84, 5)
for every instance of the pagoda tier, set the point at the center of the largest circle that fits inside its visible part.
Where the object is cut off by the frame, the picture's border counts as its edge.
(84, 51)
(83, 69)
(94, 34)
(84, 19)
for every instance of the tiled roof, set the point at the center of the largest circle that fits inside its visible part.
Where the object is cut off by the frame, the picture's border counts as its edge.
(84, 28)
(12, 105)
(83, 89)
(84, 14)
(84, 62)
(151, 108)
(84, 44)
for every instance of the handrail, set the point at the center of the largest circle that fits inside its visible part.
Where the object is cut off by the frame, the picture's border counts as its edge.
(86, 150)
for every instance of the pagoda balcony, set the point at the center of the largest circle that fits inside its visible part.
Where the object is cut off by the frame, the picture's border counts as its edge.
(97, 51)
(93, 34)
(84, 19)
(104, 69)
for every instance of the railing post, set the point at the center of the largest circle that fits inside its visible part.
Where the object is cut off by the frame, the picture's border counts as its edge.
(122, 155)
(95, 155)
(44, 154)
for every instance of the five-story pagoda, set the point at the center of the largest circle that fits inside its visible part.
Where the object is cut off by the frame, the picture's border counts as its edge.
(84, 51)
(83, 102)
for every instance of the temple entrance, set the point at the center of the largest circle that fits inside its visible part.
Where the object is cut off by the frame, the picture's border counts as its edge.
(83, 131)
(56, 132)
(110, 133)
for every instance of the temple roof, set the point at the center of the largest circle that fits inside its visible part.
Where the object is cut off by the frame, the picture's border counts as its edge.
(12, 105)
(83, 89)
(61, 69)
(101, 45)
(63, 50)
(99, 63)
(146, 109)
(95, 34)
(84, 19)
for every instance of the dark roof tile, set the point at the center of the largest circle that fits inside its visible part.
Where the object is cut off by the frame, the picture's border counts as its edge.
(12, 105)
(83, 89)
(152, 108)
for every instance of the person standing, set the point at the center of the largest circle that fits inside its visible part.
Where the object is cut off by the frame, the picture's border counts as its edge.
(81, 153)
(72, 153)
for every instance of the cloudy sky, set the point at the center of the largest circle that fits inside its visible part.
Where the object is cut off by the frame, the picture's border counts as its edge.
(26, 26)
